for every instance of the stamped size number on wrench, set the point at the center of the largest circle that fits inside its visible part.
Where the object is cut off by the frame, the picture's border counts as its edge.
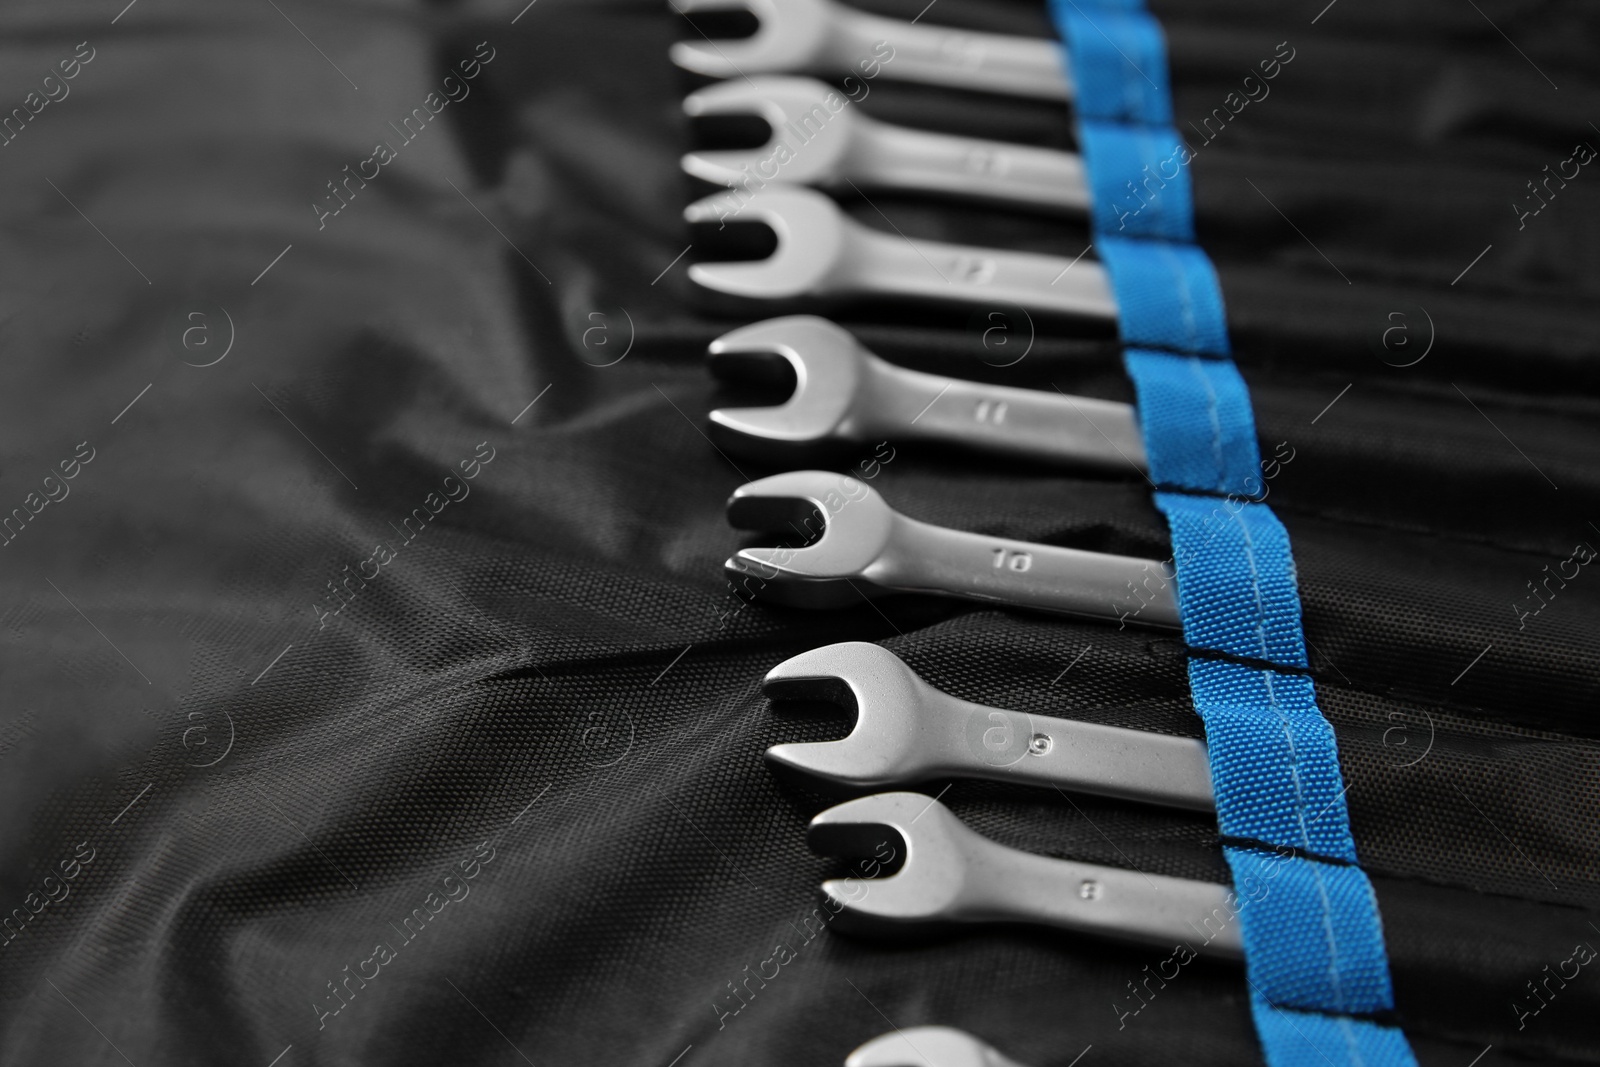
(1012, 560)
(991, 411)
(976, 270)
(987, 161)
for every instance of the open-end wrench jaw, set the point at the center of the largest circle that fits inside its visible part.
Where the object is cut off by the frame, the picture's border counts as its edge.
(792, 35)
(932, 884)
(821, 415)
(952, 875)
(814, 138)
(833, 571)
(906, 732)
(824, 256)
(927, 1046)
(841, 397)
(811, 234)
(823, 38)
(884, 746)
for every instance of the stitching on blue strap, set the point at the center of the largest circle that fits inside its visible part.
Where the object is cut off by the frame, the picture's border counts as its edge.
(1199, 432)
(1118, 60)
(1338, 963)
(1131, 192)
(1167, 295)
(1277, 775)
(1238, 595)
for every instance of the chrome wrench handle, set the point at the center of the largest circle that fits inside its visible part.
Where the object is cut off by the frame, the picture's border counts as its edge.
(1086, 757)
(898, 157)
(1016, 886)
(963, 59)
(1028, 423)
(923, 558)
(886, 265)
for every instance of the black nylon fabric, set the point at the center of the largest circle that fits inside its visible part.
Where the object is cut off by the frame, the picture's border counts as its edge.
(525, 756)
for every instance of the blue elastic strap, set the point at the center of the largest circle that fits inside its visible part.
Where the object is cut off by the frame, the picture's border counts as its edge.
(1118, 60)
(1313, 940)
(1199, 432)
(1238, 596)
(1167, 295)
(1309, 919)
(1139, 186)
(1303, 1039)
(1321, 909)
(1273, 755)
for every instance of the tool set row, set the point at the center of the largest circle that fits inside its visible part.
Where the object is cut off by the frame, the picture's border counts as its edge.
(906, 732)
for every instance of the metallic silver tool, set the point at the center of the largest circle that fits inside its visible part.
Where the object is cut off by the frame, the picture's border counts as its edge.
(953, 875)
(867, 549)
(927, 1046)
(908, 732)
(818, 139)
(844, 395)
(828, 39)
(823, 254)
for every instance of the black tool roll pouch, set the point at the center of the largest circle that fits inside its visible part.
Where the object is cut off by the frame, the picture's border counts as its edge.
(517, 774)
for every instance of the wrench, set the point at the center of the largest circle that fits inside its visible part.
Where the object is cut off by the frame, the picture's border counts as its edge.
(823, 254)
(953, 875)
(867, 549)
(907, 732)
(823, 38)
(818, 139)
(927, 1046)
(845, 396)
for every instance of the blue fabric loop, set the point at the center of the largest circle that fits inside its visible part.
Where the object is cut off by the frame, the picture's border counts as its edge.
(1118, 60)
(1298, 1039)
(1138, 185)
(1199, 432)
(1167, 295)
(1236, 579)
(1329, 915)
(1274, 759)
